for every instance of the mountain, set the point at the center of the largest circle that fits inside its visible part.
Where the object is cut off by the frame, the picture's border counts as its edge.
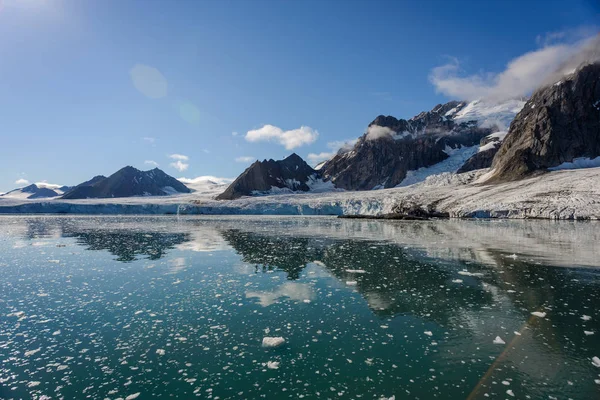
(269, 176)
(399, 152)
(33, 191)
(559, 124)
(128, 182)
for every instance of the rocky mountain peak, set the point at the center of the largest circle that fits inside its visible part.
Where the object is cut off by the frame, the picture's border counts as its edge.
(291, 173)
(126, 182)
(559, 123)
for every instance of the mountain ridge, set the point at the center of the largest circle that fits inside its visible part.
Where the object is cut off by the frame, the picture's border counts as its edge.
(127, 182)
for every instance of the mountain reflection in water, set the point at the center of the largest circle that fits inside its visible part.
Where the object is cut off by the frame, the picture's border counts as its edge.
(427, 298)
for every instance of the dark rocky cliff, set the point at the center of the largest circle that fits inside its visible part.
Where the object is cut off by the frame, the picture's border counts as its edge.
(292, 173)
(559, 123)
(421, 141)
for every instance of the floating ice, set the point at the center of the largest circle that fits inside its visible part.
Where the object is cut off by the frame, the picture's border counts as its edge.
(351, 283)
(539, 314)
(457, 281)
(356, 271)
(133, 396)
(596, 361)
(467, 273)
(586, 317)
(273, 364)
(588, 333)
(499, 340)
(428, 333)
(160, 352)
(32, 352)
(510, 393)
(273, 341)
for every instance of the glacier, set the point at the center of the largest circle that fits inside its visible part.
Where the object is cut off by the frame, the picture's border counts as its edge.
(570, 194)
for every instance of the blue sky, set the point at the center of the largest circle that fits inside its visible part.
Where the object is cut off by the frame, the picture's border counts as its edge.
(87, 87)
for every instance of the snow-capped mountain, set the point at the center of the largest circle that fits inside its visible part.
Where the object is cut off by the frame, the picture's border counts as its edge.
(37, 191)
(559, 125)
(128, 182)
(398, 152)
(291, 174)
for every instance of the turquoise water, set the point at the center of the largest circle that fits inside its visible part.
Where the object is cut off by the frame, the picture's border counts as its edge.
(167, 307)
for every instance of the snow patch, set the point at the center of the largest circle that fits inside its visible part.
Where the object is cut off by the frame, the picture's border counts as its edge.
(457, 157)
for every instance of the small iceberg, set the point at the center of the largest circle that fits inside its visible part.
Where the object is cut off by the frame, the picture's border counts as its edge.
(272, 341)
(499, 340)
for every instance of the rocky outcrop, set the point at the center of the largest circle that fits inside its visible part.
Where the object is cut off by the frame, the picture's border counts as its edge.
(291, 173)
(383, 160)
(488, 147)
(128, 182)
(559, 123)
(479, 160)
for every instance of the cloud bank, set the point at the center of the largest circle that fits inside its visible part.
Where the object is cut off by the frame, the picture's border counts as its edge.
(289, 139)
(22, 182)
(523, 74)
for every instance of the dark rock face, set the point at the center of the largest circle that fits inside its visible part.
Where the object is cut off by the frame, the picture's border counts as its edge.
(292, 173)
(128, 182)
(419, 142)
(482, 159)
(559, 123)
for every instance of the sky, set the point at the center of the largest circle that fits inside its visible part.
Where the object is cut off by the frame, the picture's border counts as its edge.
(206, 87)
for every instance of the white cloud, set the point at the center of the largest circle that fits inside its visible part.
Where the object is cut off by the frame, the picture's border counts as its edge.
(22, 182)
(150, 140)
(522, 74)
(180, 166)
(375, 132)
(148, 81)
(289, 139)
(179, 157)
(245, 159)
(151, 162)
(234, 133)
(45, 184)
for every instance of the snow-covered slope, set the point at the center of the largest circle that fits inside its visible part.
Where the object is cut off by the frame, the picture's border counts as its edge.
(36, 191)
(206, 186)
(488, 114)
